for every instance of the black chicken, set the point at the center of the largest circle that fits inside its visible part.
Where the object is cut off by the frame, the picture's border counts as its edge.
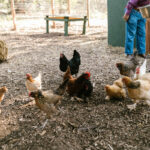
(80, 87)
(74, 63)
(87, 87)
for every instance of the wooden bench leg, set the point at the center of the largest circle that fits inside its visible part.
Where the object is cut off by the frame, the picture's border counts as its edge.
(84, 25)
(47, 25)
(66, 26)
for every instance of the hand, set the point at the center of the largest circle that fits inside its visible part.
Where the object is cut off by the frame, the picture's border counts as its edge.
(126, 17)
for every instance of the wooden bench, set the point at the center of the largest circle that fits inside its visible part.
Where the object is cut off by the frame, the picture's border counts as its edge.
(66, 20)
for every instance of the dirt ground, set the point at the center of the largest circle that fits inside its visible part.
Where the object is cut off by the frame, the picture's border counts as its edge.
(96, 125)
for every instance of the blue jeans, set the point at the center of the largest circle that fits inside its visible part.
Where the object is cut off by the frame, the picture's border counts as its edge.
(135, 27)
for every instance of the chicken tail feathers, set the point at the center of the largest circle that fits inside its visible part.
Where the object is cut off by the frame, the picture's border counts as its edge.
(39, 78)
(63, 63)
(40, 75)
(134, 85)
(76, 57)
(61, 89)
(75, 53)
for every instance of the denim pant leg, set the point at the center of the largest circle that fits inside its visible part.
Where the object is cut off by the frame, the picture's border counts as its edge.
(140, 35)
(131, 26)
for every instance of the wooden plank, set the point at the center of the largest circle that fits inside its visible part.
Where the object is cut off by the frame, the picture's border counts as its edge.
(13, 14)
(88, 12)
(56, 17)
(52, 6)
(148, 36)
(71, 18)
(66, 20)
(69, 7)
(62, 18)
(69, 10)
(77, 19)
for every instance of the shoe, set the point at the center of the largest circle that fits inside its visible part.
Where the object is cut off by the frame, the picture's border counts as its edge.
(142, 55)
(129, 55)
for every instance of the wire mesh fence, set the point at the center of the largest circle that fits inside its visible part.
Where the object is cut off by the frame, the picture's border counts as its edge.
(34, 11)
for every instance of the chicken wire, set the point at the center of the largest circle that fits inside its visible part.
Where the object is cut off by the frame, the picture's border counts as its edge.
(38, 9)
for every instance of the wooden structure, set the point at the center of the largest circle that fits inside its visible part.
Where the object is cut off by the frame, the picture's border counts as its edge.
(52, 7)
(52, 11)
(13, 14)
(148, 36)
(66, 21)
(68, 2)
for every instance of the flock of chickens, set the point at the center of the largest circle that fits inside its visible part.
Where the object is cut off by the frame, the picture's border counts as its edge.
(78, 87)
(135, 80)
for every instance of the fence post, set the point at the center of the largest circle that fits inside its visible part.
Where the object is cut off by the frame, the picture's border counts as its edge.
(47, 24)
(84, 25)
(13, 14)
(66, 26)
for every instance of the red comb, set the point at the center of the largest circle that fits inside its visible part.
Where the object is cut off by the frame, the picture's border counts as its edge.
(61, 55)
(88, 73)
(28, 75)
(138, 70)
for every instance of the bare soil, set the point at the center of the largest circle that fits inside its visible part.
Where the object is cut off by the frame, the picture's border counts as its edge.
(96, 125)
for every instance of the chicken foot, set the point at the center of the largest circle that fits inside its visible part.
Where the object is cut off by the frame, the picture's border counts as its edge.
(107, 98)
(148, 102)
(132, 107)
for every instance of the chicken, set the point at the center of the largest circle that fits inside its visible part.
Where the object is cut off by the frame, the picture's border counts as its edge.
(116, 90)
(74, 63)
(138, 90)
(48, 100)
(33, 84)
(80, 87)
(141, 70)
(63, 62)
(68, 75)
(3, 90)
(128, 68)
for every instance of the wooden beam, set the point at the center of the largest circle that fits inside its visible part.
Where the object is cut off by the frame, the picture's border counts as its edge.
(69, 10)
(69, 7)
(88, 12)
(13, 14)
(52, 7)
(148, 36)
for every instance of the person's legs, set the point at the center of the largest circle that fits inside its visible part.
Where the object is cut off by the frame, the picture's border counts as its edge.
(141, 35)
(131, 26)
